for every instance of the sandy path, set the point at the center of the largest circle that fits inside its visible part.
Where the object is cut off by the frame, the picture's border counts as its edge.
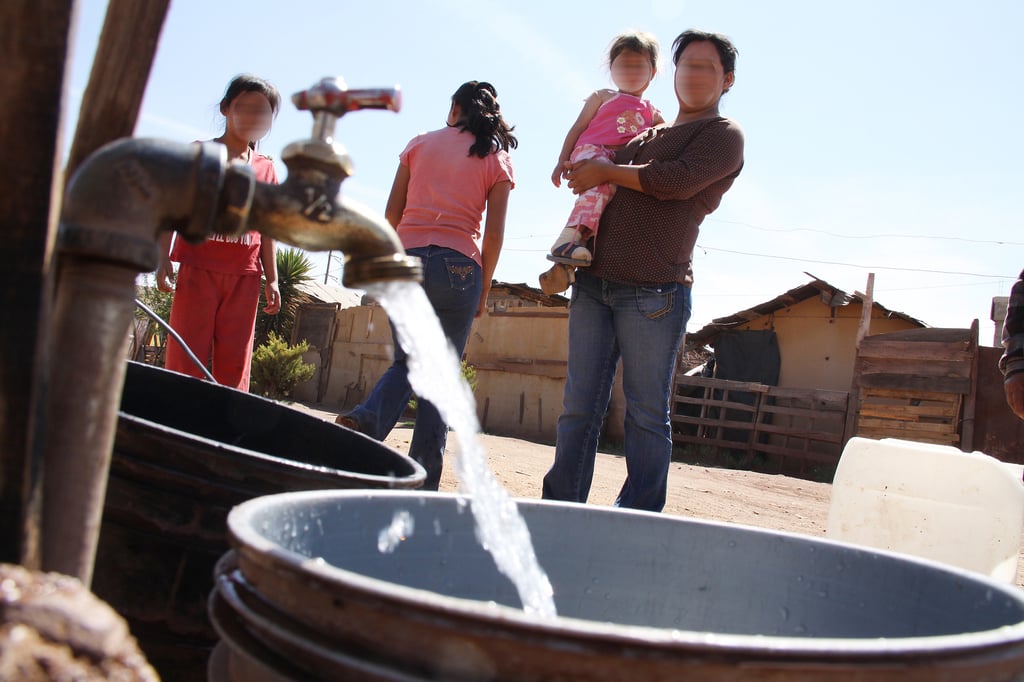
(766, 501)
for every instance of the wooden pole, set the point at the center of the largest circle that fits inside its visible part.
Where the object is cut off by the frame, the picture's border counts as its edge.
(110, 108)
(120, 71)
(863, 329)
(34, 39)
(971, 399)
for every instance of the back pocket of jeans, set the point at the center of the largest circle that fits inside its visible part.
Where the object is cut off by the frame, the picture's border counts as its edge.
(461, 273)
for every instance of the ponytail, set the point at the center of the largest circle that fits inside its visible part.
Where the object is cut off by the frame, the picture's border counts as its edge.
(481, 116)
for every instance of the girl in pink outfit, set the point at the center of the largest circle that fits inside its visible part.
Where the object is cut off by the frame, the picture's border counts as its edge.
(610, 119)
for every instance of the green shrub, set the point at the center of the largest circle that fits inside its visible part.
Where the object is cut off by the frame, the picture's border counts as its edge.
(293, 268)
(468, 373)
(277, 368)
(160, 303)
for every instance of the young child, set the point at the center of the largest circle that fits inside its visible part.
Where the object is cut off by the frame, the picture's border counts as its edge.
(217, 286)
(610, 119)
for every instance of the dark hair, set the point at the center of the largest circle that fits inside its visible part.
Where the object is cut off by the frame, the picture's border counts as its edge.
(635, 41)
(726, 50)
(481, 115)
(248, 83)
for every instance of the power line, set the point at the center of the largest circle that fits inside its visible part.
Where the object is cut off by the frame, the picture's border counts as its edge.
(855, 265)
(822, 262)
(840, 235)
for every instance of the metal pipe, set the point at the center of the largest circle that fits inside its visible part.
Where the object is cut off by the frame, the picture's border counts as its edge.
(308, 211)
(163, 324)
(115, 206)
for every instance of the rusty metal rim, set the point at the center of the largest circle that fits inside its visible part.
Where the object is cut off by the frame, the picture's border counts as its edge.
(278, 633)
(414, 475)
(254, 547)
(241, 644)
(380, 480)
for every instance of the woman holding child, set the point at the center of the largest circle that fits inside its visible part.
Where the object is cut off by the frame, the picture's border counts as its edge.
(633, 301)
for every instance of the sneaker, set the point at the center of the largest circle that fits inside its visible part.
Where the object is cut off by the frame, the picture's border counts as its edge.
(348, 422)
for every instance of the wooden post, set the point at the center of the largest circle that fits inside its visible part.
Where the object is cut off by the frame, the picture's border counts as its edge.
(863, 329)
(110, 108)
(971, 399)
(120, 71)
(34, 39)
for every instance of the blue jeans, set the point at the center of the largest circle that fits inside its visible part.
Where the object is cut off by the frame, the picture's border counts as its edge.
(453, 283)
(643, 326)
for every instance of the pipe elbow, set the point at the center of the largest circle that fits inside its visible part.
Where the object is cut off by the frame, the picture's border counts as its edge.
(130, 190)
(310, 214)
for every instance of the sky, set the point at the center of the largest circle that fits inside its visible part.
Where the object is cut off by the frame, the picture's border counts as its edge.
(882, 136)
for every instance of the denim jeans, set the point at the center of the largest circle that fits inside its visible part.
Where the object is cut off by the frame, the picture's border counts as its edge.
(453, 283)
(643, 326)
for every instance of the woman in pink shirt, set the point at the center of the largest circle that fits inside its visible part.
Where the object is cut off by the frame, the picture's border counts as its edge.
(217, 286)
(447, 180)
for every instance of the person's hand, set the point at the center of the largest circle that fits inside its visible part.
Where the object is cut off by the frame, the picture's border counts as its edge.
(560, 170)
(273, 296)
(481, 307)
(1014, 388)
(588, 173)
(165, 276)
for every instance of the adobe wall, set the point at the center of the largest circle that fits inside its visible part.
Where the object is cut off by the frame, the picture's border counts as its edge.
(519, 356)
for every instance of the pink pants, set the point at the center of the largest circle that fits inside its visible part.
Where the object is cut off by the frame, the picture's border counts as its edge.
(586, 214)
(216, 316)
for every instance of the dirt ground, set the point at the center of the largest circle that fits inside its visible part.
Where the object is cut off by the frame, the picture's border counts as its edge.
(754, 499)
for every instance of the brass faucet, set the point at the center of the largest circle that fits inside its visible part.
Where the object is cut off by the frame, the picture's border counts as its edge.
(117, 204)
(308, 211)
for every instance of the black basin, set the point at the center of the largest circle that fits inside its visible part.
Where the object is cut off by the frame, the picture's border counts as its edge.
(186, 451)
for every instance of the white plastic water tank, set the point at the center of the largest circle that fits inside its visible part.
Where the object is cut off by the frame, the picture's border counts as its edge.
(932, 501)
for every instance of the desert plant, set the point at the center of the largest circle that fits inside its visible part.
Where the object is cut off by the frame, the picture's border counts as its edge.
(160, 303)
(468, 373)
(278, 367)
(293, 268)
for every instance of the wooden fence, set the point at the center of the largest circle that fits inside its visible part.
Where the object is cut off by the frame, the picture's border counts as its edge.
(758, 427)
(917, 385)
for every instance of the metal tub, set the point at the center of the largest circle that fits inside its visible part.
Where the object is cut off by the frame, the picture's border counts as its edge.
(640, 596)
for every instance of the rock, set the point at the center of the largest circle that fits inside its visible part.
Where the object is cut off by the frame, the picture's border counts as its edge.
(53, 629)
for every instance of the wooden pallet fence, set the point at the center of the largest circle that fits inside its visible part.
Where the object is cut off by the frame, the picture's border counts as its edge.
(759, 427)
(917, 385)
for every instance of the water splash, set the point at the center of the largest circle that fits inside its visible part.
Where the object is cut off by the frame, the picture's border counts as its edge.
(400, 528)
(435, 374)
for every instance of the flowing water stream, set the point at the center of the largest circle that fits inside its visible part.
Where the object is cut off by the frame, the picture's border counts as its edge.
(435, 373)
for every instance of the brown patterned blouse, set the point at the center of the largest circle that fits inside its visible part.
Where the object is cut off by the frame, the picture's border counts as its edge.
(647, 238)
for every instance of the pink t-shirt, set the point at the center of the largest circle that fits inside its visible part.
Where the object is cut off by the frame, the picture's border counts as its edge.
(618, 121)
(448, 191)
(228, 255)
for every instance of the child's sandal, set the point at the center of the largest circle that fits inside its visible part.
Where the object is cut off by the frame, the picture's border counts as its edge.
(572, 254)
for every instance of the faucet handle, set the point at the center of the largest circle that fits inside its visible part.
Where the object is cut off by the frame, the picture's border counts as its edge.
(332, 95)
